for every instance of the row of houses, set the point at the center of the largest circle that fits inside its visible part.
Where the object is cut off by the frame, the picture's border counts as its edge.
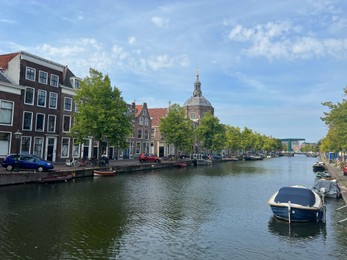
(37, 107)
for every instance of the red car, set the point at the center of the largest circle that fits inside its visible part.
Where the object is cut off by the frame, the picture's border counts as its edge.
(148, 157)
(345, 169)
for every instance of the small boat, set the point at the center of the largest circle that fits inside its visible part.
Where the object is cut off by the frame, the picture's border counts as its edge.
(297, 204)
(327, 187)
(319, 167)
(104, 173)
(56, 178)
(181, 164)
(253, 157)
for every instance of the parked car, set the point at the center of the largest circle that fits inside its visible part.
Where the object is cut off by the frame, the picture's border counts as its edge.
(345, 169)
(26, 161)
(148, 157)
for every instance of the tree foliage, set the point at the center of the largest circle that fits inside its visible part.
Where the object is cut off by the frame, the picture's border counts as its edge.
(102, 112)
(177, 129)
(336, 120)
(211, 133)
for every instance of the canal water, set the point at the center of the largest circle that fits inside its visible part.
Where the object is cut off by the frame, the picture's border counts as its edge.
(212, 212)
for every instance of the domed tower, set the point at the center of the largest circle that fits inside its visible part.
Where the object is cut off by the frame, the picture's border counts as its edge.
(197, 105)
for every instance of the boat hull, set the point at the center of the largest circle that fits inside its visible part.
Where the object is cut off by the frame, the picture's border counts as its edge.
(297, 214)
(104, 173)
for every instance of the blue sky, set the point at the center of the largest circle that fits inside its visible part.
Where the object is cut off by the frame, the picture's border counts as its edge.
(265, 65)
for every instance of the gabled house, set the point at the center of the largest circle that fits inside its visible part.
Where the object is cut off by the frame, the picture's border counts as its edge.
(36, 99)
(142, 130)
(158, 144)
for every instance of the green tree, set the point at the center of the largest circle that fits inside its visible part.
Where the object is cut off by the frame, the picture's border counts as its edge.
(177, 129)
(336, 120)
(233, 138)
(102, 112)
(210, 132)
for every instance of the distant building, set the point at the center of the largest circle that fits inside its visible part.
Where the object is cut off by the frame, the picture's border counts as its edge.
(158, 144)
(196, 106)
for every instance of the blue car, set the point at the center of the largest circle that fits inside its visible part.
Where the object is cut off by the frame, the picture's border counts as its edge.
(26, 161)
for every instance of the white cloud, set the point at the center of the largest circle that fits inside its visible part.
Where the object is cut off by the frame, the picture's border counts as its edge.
(161, 61)
(7, 21)
(159, 21)
(131, 40)
(119, 53)
(283, 40)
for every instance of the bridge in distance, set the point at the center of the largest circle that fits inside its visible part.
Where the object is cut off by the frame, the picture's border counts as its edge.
(290, 141)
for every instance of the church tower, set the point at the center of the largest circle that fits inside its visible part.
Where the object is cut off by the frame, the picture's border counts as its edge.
(197, 105)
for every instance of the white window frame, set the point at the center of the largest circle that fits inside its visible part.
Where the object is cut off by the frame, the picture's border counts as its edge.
(29, 71)
(38, 152)
(55, 123)
(52, 83)
(51, 98)
(65, 148)
(4, 109)
(39, 91)
(31, 120)
(41, 72)
(26, 94)
(63, 124)
(43, 122)
(28, 138)
(140, 120)
(65, 104)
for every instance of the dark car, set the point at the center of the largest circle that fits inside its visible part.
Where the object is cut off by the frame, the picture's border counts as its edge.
(26, 161)
(148, 157)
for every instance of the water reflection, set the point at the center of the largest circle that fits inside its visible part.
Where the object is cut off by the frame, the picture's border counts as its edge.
(296, 230)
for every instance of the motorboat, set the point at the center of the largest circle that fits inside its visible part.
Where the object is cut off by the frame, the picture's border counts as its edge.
(319, 167)
(327, 187)
(298, 204)
(56, 178)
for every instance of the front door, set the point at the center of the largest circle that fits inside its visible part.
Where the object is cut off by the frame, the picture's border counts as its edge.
(51, 149)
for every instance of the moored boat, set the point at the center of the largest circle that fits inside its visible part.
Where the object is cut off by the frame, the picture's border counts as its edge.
(297, 204)
(56, 178)
(327, 187)
(319, 167)
(104, 173)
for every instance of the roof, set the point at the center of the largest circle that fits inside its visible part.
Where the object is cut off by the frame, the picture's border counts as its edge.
(156, 114)
(3, 78)
(197, 101)
(138, 109)
(6, 58)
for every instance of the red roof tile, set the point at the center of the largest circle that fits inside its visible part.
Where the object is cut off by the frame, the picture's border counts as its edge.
(6, 58)
(156, 114)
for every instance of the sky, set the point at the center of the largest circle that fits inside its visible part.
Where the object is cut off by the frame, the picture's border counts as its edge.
(265, 65)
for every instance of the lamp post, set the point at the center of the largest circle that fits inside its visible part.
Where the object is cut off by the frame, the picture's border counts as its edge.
(17, 136)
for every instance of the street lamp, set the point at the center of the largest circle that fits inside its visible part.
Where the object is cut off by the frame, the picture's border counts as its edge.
(17, 136)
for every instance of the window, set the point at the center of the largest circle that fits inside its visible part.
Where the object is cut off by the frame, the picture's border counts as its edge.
(75, 149)
(145, 112)
(146, 121)
(6, 112)
(40, 122)
(29, 96)
(139, 133)
(65, 147)
(77, 84)
(53, 100)
(152, 132)
(30, 74)
(25, 144)
(51, 123)
(146, 134)
(66, 123)
(27, 120)
(4, 144)
(68, 104)
(54, 80)
(138, 147)
(141, 120)
(38, 146)
(43, 77)
(41, 98)
(192, 115)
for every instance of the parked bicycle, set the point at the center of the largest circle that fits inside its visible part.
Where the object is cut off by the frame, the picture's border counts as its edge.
(71, 163)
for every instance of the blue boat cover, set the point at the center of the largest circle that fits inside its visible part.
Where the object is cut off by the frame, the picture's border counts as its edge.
(301, 196)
